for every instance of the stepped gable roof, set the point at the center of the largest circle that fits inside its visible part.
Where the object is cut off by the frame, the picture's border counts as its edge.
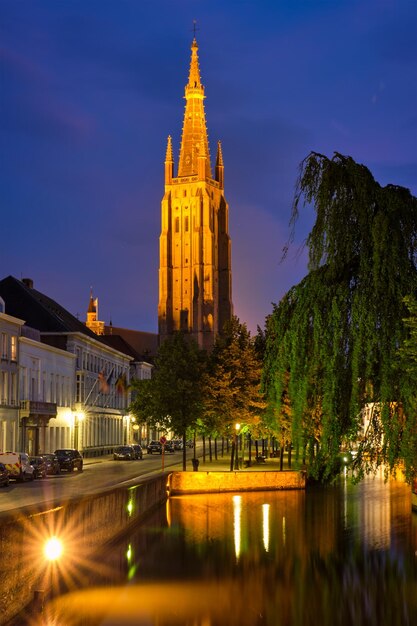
(38, 310)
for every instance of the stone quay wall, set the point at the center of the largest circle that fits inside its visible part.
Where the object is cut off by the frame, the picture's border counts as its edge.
(83, 524)
(218, 482)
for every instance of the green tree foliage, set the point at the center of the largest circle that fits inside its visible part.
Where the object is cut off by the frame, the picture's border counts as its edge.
(332, 342)
(232, 382)
(142, 402)
(408, 370)
(173, 396)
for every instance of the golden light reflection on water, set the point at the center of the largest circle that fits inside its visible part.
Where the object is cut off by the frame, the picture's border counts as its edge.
(237, 523)
(265, 526)
(316, 557)
(187, 604)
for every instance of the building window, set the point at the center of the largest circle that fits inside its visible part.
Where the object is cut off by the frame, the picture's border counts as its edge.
(13, 348)
(33, 394)
(186, 224)
(80, 388)
(13, 389)
(4, 350)
(177, 224)
(3, 386)
(23, 383)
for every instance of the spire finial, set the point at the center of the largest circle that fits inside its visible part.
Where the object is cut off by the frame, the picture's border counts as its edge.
(169, 156)
(92, 305)
(195, 29)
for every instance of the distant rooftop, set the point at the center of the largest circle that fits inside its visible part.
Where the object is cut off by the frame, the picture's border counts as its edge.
(37, 310)
(143, 343)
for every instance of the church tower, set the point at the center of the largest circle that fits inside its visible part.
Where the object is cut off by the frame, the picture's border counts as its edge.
(195, 277)
(92, 321)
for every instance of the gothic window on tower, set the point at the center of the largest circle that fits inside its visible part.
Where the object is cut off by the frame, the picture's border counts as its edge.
(177, 224)
(186, 224)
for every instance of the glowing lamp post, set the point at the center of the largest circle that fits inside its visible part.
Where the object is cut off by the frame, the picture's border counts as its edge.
(78, 419)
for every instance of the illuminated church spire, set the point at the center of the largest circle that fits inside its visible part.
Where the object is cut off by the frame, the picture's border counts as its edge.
(195, 277)
(194, 140)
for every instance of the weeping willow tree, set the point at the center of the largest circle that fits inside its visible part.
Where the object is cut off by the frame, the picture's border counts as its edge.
(332, 343)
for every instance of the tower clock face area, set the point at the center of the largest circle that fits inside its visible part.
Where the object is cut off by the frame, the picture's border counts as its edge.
(187, 159)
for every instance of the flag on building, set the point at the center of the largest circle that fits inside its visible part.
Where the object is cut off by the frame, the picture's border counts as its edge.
(121, 384)
(103, 382)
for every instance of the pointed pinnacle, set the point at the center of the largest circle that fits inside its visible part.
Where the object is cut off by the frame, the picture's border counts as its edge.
(169, 155)
(219, 157)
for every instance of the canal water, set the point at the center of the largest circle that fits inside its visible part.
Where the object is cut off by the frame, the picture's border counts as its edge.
(342, 555)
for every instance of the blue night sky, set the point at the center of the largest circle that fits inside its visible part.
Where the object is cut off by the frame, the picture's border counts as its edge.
(90, 90)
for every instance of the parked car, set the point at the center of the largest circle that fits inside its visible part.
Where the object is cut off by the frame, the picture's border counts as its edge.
(154, 446)
(124, 453)
(178, 445)
(18, 465)
(69, 459)
(52, 464)
(169, 446)
(4, 475)
(138, 450)
(39, 465)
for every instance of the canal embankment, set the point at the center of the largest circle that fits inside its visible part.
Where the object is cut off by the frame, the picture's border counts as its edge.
(224, 481)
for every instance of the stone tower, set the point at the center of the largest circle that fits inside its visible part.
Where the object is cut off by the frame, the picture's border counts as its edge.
(195, 277)
(92, 321)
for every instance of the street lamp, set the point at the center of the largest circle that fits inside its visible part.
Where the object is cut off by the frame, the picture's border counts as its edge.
(237, 429)
(78, 419)
(126, 419)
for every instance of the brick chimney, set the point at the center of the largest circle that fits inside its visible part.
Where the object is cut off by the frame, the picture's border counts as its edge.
(28, 282)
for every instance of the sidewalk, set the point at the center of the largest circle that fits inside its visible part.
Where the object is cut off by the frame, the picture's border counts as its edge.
(221, 464)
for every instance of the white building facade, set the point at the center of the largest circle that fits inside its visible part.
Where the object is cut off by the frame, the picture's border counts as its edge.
(9, 371)
(46, 393)
(99, 412)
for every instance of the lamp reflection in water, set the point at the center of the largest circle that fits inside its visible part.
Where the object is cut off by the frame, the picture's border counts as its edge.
(265, 526)
(237, 528)
(130, 558)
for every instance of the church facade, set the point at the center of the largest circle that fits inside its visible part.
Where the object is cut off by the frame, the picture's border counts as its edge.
(195, 277)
